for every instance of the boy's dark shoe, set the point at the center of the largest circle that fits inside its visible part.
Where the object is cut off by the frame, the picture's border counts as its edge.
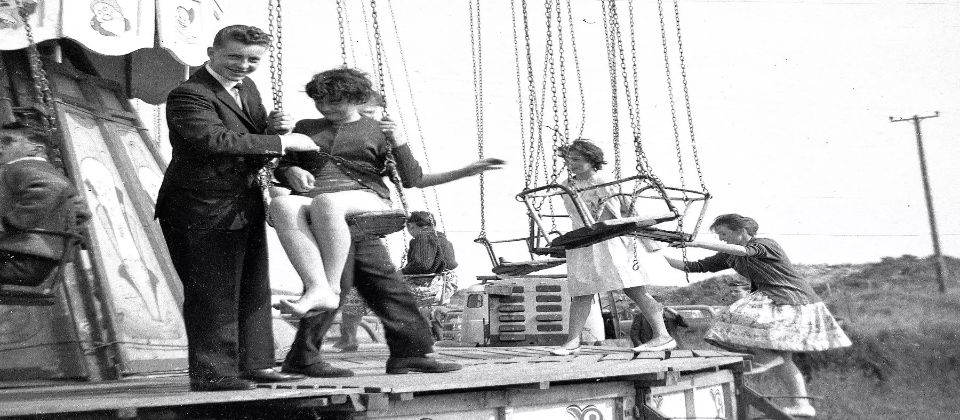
(223, 383)
(401, 365)
(271, 375)
(318, 370)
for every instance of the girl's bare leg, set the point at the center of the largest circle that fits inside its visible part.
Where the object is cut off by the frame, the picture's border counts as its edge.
(328, 214)
(290, 218)
(579, 312)
(652, 312)
(796, 386)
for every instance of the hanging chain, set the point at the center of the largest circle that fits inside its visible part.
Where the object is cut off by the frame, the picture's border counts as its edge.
(275, 27)
(563, 73)
(390, 162)
(673, 108)
(576, 64)
(157, 122)
(516, 60)
(416, 117)
(476, 49)
(343, 35)
(557, 141)
(614, 102)
(686, 97)
(41, 86)
(531, 172)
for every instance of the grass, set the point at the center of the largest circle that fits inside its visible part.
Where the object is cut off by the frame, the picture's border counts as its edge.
(905, 358)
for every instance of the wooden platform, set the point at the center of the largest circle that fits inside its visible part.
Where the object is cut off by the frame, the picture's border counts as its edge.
(484, 368)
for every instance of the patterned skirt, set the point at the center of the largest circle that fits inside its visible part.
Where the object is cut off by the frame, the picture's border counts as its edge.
(432, 290)
(756, 322)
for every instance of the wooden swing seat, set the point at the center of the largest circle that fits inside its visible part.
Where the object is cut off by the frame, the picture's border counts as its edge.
(605, 230)
(514, 269)
(376, 224)
(43, 294)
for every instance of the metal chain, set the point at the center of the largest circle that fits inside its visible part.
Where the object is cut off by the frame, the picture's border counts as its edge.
(516, 60)
(686, 97)
(576, 64)
(343, 37)
(41, 86)
(275, 27)
(673, 108)
(551, 68)
(349, 35)
(390, 162)
(614, 107)
(435, 207)
(476, 49)
(157, 122)
(563, 73)
(530, 172)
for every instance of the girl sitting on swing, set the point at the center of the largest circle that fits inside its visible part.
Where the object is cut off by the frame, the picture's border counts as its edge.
(345, 177)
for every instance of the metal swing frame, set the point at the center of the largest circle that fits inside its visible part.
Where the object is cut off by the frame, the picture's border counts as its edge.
(594, 230)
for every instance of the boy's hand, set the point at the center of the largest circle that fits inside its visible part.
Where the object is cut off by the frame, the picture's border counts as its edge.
(299, 179)
(281, 122)
(296, 142)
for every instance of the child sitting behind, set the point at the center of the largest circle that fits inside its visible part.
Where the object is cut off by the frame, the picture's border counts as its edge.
(33, 195)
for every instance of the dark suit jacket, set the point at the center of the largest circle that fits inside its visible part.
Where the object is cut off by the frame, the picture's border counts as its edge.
(34, 195)
(218, 148)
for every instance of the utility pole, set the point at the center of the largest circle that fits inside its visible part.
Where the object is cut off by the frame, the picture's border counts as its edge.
(941, 267)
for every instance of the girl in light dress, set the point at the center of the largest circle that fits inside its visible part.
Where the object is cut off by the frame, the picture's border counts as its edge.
(605, 266)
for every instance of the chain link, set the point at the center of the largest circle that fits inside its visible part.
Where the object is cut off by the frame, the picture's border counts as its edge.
(343, 35)
(563, 73)
(41, 86)
(673, 108)
(390, 162)
(476, 49)
(576, 64)
(614, 105)
(686, 98)
(275, 27)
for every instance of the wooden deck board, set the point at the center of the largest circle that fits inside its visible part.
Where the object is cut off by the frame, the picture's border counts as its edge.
(484, 368)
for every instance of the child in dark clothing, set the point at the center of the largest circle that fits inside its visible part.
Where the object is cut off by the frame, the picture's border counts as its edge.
(33, 195)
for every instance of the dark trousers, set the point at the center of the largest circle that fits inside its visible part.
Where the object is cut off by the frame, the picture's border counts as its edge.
(379, 284)
(24, 270)
(226, 304)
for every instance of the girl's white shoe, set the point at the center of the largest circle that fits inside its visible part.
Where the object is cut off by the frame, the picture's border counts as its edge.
(562, 351)
(666, 345)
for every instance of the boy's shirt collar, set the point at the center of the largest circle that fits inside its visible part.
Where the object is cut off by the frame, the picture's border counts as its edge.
(227, 84)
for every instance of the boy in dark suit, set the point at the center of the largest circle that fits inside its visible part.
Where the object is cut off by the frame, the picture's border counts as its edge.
(211, 210)
(33, 195)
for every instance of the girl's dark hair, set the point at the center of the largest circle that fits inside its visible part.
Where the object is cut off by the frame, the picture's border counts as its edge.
(591, 152)
(421, 219)
(340, 85)
(735, 221)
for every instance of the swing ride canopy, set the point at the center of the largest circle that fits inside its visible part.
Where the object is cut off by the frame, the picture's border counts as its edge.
(157, 37)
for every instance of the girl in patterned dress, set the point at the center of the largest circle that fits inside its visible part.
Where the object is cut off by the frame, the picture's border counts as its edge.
(605, 266)
(782, 315)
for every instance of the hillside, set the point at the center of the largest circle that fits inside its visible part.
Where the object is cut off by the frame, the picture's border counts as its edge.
(905, 361)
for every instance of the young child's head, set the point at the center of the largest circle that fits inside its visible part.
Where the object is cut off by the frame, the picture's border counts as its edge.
(419, 220)
(19, 141)
(375, 106)
(582, 156)
(734, 228)
(339, 93)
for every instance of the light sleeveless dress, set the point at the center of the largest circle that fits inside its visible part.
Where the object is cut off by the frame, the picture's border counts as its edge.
(608, 265)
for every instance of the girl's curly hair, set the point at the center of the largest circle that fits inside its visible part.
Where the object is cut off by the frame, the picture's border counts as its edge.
(340, 85)
(591, 152)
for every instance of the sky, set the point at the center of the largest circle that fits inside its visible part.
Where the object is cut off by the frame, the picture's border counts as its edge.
(790, 102)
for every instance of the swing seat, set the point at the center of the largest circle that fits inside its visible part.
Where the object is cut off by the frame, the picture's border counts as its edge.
(43, 294)
(515, 269)
(376, 224)
(605, 230)
(661, 235)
